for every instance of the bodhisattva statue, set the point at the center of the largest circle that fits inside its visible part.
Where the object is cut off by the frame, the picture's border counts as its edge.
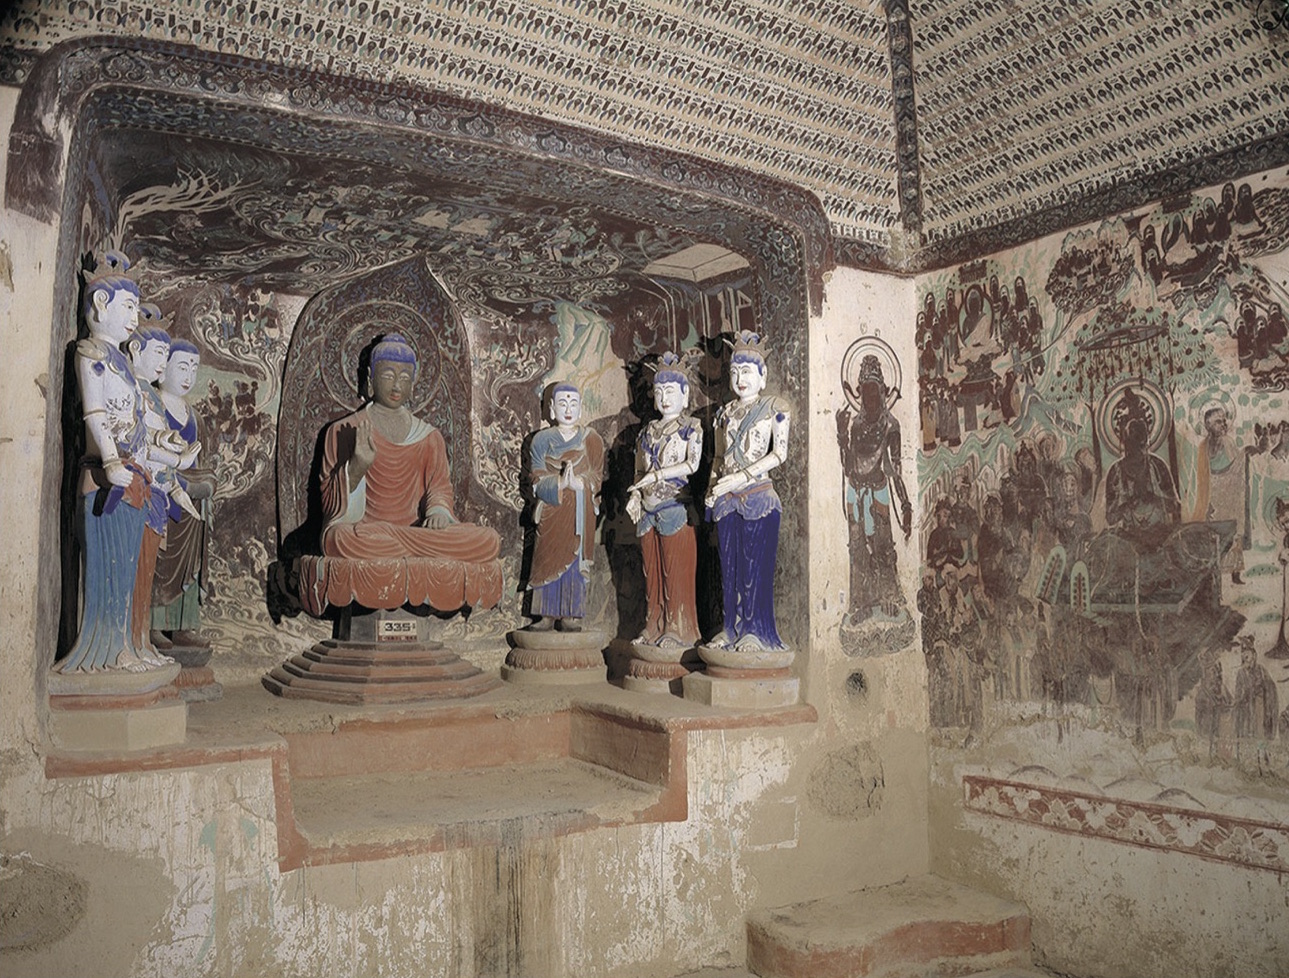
(668, 453)
(751, 441)
(566, 465)
(113, 484)
(386, 487)
(176, 588)
(164, 453)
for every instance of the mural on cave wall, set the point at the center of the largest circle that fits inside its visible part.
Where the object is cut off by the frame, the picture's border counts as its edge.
(875, 498)
(234, 244)
(1105, 472)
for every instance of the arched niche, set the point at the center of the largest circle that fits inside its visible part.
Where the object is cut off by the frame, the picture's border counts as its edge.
(99, 119)
(325, 378)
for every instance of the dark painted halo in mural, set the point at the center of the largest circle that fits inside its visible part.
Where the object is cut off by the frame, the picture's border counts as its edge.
(892, 373)
(1161, 407)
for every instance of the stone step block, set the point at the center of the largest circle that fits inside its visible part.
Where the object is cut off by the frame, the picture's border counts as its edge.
(925, 927)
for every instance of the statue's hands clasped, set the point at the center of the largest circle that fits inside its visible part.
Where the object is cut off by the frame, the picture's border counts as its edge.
(732, 482)
(568, 479)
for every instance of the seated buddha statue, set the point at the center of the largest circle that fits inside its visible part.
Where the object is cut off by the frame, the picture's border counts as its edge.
(390, 535)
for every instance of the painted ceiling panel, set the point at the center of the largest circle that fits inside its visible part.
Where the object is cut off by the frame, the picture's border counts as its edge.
(1006, 108)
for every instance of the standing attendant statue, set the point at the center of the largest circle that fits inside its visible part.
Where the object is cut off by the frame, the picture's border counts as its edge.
(751, 442)
(181, 564)
(164, 453)
(113, 484)
(566, 465)
(667, 455)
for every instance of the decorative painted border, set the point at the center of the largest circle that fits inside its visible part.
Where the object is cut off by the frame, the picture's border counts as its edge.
(1222, 838)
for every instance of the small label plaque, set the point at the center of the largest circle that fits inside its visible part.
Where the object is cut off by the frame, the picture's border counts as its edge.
(395, 631)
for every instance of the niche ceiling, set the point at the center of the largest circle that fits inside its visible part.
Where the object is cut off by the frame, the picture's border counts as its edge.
(295, 205)
(926, 128)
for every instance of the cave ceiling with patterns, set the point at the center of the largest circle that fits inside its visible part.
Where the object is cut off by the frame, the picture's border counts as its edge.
(925, 128)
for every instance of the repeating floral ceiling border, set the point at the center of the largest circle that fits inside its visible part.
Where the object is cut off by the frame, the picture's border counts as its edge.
(1023, 113)
(798, 90)
(63, 80)
(1026, 107)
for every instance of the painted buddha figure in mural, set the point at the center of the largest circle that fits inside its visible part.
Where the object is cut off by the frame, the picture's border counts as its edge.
(751, 442)
(668, 453)
(1141, 497)
(386, 486)
(566, 465)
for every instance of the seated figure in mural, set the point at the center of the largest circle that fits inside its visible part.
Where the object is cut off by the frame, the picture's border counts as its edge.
(1141, 497)
(386, 487)
(751, 441)
(566, 465)
(869, 440)
(667, 455)
(176, 587)
(113, 484)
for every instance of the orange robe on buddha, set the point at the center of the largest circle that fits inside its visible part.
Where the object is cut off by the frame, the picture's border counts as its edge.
(376, 553)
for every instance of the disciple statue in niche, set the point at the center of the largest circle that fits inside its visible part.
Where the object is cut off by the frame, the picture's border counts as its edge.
(566, 465)
(869, 438)
(667, 455)
(386, 487)
(113, 483)
(751, 441)
(176, 588)
(163, 454)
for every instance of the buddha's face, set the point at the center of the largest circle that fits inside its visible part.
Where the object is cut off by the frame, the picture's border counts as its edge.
(116, 315)
(391, 383)
(150, 360)
(566, 408)
(670, 399)
(747, 379)
(181, 373)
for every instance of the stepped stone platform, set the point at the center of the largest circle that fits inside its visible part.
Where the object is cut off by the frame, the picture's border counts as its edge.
(336, 671)
(917, 928)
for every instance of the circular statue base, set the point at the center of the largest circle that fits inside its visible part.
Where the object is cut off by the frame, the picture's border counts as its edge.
(116, 710)
(196, 680)
(659, 668)
(337, 671)
(554, 658)
(748, 679)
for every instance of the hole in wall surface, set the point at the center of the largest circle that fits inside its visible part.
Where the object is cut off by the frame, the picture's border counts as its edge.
(857, 685)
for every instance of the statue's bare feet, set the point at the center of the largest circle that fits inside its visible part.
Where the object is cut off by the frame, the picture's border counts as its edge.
(721, 640)
(543, 624)
(569, 624)
(750, 643)
(131, 661)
